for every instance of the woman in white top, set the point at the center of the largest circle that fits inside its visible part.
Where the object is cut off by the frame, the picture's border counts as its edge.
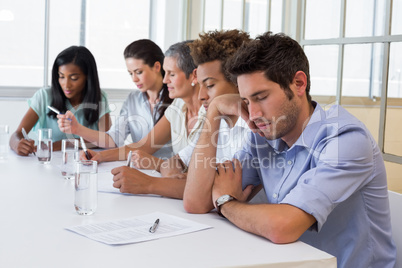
(142, 109)
(182, 119)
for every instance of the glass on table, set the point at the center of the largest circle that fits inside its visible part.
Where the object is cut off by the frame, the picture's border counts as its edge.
(69, 150)
(4, 141)
(45, 145)
(86, 187)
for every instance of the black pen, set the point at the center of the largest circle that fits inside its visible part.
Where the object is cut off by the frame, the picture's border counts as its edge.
(84, 147)
(152, 229)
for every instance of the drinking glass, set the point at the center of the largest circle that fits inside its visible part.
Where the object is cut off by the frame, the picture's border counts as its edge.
(3, 141)
(45, 145)
(69, 150)
(86, 187)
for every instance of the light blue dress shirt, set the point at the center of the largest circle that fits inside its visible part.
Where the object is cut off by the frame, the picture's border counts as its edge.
(43, 97)
(336, 173)
(137, 121)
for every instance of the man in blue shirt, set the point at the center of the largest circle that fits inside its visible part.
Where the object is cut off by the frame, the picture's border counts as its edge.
(322, 171)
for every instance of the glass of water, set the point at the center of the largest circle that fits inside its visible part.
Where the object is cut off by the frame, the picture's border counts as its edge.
(69, 150)
(86, 187)
(45, 146)
(3, 141)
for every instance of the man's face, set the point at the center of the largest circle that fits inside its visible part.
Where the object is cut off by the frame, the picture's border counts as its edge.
(212, 82)
(269, 108)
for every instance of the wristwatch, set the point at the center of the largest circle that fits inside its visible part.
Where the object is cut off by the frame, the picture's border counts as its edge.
(223, 200)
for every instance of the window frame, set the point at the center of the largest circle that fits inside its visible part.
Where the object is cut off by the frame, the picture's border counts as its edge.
(341, 41)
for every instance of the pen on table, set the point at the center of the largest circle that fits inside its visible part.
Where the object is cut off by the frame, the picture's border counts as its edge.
(84, 147)
(152, 229)
(129, 158)
(55, 110)
(24, 133)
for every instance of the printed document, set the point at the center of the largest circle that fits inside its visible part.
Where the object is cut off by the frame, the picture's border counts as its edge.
(136, 229)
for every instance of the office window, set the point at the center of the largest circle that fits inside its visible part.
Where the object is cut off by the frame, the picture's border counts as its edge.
(111, 26)
(21, 46)
(323, 73)
(231, 7)
(104, 27)
(362, 70)
(258, 21)
(322, 19)
(393, 128)
(212, 15)
(253, 16)
(355, 52)
(396, 25)
(365, 18)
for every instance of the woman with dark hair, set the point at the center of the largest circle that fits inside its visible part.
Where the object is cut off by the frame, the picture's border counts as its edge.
(182, 119)
(143, 107)
(75, 90)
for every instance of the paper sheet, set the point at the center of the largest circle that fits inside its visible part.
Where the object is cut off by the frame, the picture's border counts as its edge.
(108, 166)
(136, 229)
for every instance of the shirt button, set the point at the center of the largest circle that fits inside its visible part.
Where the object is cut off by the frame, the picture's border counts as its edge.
(275, 195)
(290, 162)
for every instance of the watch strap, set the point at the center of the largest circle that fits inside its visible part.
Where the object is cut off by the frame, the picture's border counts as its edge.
(218, 205)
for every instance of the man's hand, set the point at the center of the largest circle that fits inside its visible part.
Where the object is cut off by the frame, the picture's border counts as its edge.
(228, 180)
(231, 105)
(130, 180)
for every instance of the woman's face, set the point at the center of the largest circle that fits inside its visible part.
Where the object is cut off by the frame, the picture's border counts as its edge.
(72, 81)
(178, 85)
(143, 76)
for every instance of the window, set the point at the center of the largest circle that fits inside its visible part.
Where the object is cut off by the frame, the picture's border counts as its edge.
(104, 27)
(253, 16)
(355, 53)
(21, 55)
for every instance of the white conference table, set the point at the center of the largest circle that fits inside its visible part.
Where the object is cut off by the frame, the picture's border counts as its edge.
(36, 204)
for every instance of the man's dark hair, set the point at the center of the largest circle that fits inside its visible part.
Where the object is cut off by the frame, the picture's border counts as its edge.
(277, 55)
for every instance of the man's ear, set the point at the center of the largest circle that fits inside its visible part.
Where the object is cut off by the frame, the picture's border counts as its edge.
(300, 80)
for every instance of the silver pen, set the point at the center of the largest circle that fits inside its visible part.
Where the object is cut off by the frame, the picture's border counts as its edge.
(56, 111)
(84, 147)
(24, 133)
(129, 159)
(152, 229)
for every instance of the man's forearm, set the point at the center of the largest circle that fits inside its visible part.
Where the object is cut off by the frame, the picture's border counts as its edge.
(201, 171)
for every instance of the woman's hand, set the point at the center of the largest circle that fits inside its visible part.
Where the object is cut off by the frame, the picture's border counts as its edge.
(68, 123)
(25, 147)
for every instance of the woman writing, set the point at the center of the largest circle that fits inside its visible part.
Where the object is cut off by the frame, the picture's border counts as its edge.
(182, 119)
(142, 109)
(75, 88)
